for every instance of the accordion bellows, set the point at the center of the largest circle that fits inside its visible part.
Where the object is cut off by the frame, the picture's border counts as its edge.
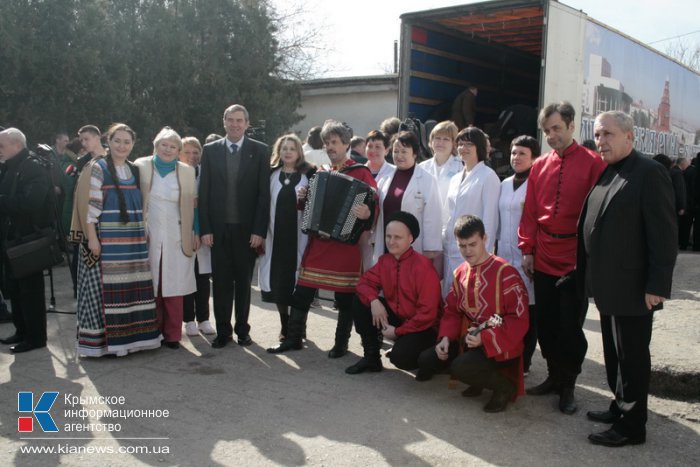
(328, 211)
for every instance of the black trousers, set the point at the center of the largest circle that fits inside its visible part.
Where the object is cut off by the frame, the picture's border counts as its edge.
(685, 222)
(530, 339)
(197, 303)
(628, 367)
(696, 231)
(407, 348)
(28, 301)
(232, 262)
(472, 367)
(303, 296)
(560, 316)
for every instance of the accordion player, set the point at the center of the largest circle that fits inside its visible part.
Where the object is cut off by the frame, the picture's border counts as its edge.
(328, 210)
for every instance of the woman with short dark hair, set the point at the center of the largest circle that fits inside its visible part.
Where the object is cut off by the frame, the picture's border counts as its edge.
(523, 151)
(410, 188)
(474, 191)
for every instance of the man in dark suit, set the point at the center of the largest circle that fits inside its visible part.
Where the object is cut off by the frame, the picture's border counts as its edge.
(234, 209)
(25, 203)
(626, 253)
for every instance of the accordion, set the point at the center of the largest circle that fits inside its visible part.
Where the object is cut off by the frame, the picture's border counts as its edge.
(328, 210)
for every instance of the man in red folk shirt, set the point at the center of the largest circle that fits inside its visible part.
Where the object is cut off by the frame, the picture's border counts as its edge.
(557, 187)
(485, 288)
(329, 264)
(408, 312)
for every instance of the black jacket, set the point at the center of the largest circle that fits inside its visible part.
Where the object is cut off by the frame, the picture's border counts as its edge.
(28, 204)
(634, 242)
(253, 185)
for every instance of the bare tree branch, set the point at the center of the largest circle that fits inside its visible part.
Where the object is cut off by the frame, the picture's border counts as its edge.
(302, 40)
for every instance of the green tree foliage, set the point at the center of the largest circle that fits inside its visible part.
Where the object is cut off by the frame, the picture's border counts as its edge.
(148, 63)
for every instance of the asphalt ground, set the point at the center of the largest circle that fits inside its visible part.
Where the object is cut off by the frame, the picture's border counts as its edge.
(243, 406)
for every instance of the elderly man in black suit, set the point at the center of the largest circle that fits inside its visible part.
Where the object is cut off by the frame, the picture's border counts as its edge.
(25, 203)
(627, 251)
(234, 207)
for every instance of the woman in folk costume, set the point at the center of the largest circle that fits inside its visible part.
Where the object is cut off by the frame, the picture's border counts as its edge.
(523, 151)
(169, 198)
(285, 243)
(196, 305)
(116, 309)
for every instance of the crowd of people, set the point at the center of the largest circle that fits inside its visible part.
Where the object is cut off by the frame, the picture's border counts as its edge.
(462, 272)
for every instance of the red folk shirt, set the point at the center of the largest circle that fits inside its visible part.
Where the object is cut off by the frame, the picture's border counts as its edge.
(411, 289)
(556, 189)
(478, 293)
(332, 265)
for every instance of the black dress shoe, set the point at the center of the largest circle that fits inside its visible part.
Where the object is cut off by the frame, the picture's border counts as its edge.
(13, 339)
(603, 416)
(567, 402)
(373, 364)
(25, 347)
(288, 344)
(613, 439)
(221, 342)
(171, 345)
(245, 341)
(472, 391)
(337, 352)
(424, 375)
(549, 386)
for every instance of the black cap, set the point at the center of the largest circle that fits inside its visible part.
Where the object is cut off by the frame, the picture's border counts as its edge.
(409, 220)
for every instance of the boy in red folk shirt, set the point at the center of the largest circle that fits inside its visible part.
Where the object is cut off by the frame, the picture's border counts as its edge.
(479, 355)
(408, 312)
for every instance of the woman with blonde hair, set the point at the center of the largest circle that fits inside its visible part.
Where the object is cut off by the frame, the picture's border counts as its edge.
(169, 199)
(285, 243)
(445, 163)
(116, 309)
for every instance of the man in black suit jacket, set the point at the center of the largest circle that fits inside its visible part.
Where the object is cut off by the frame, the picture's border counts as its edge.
(234, 209)
(626, 252)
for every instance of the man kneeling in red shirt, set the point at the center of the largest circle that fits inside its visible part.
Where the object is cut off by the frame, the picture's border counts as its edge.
(407, 313)
(486, 317)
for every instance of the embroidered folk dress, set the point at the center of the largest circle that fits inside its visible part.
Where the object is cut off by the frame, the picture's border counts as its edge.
(116, 309)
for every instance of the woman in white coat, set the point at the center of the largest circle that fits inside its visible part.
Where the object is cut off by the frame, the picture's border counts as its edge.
(169, 193)
(445, 163)
(523, 151)
(410, 188)
(377, 148)
(473, 191)
(196, 305)
(285, 243)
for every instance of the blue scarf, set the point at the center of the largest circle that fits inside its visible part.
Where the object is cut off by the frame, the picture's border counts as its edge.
(164, 168)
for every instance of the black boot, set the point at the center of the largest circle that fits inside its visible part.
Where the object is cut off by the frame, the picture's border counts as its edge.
(503, 391)
(342, 334)
(296, 326)
(372, 360)
(284, 322)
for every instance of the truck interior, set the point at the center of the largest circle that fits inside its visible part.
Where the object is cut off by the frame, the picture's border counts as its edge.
(495, 47)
